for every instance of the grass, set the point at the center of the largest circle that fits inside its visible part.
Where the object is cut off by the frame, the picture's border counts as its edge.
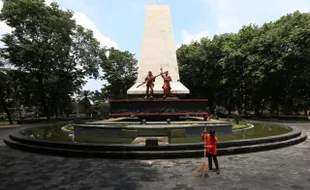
(260, 130)
(7, 123)
(241, 125)
(69, 127)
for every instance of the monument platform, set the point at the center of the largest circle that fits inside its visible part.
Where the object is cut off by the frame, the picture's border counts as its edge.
(157, 108)
(176, 88)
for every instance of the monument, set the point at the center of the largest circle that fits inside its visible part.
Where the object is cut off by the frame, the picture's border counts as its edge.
(158, 51)
(158, 54)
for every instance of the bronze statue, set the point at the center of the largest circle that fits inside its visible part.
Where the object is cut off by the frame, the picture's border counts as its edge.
(166, 86)
(149, 81)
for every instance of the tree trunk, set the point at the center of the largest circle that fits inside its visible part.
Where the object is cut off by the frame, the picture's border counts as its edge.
(211, 104)
(305, 111)
(245, 101)
(43, 100)
(6, 110)
(85, 106)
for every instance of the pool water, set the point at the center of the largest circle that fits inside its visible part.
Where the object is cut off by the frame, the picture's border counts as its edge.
(260, 130)
(56, 134)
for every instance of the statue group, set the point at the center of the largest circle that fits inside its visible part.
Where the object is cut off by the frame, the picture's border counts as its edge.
(149, 82)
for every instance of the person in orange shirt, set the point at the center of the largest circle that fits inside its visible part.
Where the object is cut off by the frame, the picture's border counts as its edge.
(210, 146)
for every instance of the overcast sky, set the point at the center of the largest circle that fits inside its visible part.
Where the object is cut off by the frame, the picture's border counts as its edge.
(119, 23)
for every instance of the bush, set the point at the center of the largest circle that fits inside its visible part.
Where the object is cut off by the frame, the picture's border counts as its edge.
(69, 127)
(78, 121)
(237, 119)
(220, 111)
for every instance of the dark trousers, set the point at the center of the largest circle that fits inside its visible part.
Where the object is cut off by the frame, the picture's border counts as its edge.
(210, 157)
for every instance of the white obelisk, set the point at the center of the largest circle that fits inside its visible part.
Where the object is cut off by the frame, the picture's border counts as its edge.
(158, 50)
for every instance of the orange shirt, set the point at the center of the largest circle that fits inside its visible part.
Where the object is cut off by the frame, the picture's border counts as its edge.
(210, 143)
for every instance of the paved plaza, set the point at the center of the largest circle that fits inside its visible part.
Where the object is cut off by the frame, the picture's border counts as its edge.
(283, 169)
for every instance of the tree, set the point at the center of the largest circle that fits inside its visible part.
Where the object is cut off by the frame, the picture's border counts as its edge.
(5, 91)
(47, 44)
(85, 98)
(254, 70)
(98, 96)
(101, 109)
(120, 71)
(199, 69)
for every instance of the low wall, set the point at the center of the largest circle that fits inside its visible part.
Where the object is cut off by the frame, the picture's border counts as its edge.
(166, 151)
(150, 130)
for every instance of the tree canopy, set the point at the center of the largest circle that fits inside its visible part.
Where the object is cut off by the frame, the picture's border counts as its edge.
(51, 48)
(260, 69)
(120, 71)
(255, 70)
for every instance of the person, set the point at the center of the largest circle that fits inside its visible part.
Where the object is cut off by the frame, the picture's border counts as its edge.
(166, 86)
(149, 80)
(210, 146)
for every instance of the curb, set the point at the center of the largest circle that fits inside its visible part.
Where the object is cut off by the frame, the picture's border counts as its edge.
(244, 129)
(66, 130)
(130, 147)
(128, 151)
(149, 154)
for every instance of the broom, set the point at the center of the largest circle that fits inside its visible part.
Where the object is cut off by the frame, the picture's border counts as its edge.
(203, 169)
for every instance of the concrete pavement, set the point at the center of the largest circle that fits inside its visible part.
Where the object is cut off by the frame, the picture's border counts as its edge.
(287, 168)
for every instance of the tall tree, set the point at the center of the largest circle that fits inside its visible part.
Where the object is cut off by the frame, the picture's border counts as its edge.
(46, 43)
(85, 98)
(120, 71)
(255, 70)
(5, 90)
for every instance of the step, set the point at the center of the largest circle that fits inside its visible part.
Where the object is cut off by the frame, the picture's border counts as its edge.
(165, 147)
(151, 154)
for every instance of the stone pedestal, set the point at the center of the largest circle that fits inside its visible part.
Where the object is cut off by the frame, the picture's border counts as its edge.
(162, 109)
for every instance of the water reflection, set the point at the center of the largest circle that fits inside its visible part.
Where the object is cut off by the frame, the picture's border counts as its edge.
(56, 134)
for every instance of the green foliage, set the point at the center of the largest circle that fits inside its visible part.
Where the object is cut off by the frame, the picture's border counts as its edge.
(237, 119)
(220, 111)
(256, 69)
(69, 127)
(120, 71)
(85, 98)
(101, 109)
(47, 45)
(240, 126)
(260, 130)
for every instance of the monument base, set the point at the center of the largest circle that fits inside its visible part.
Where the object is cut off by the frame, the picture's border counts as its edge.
(176, 88)
(157, 109)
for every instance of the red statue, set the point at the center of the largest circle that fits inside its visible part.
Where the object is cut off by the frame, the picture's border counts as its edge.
(207, 117)
(166, 86)
(149, 80)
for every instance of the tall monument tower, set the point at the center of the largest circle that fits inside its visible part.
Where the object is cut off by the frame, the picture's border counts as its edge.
(158, 50)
